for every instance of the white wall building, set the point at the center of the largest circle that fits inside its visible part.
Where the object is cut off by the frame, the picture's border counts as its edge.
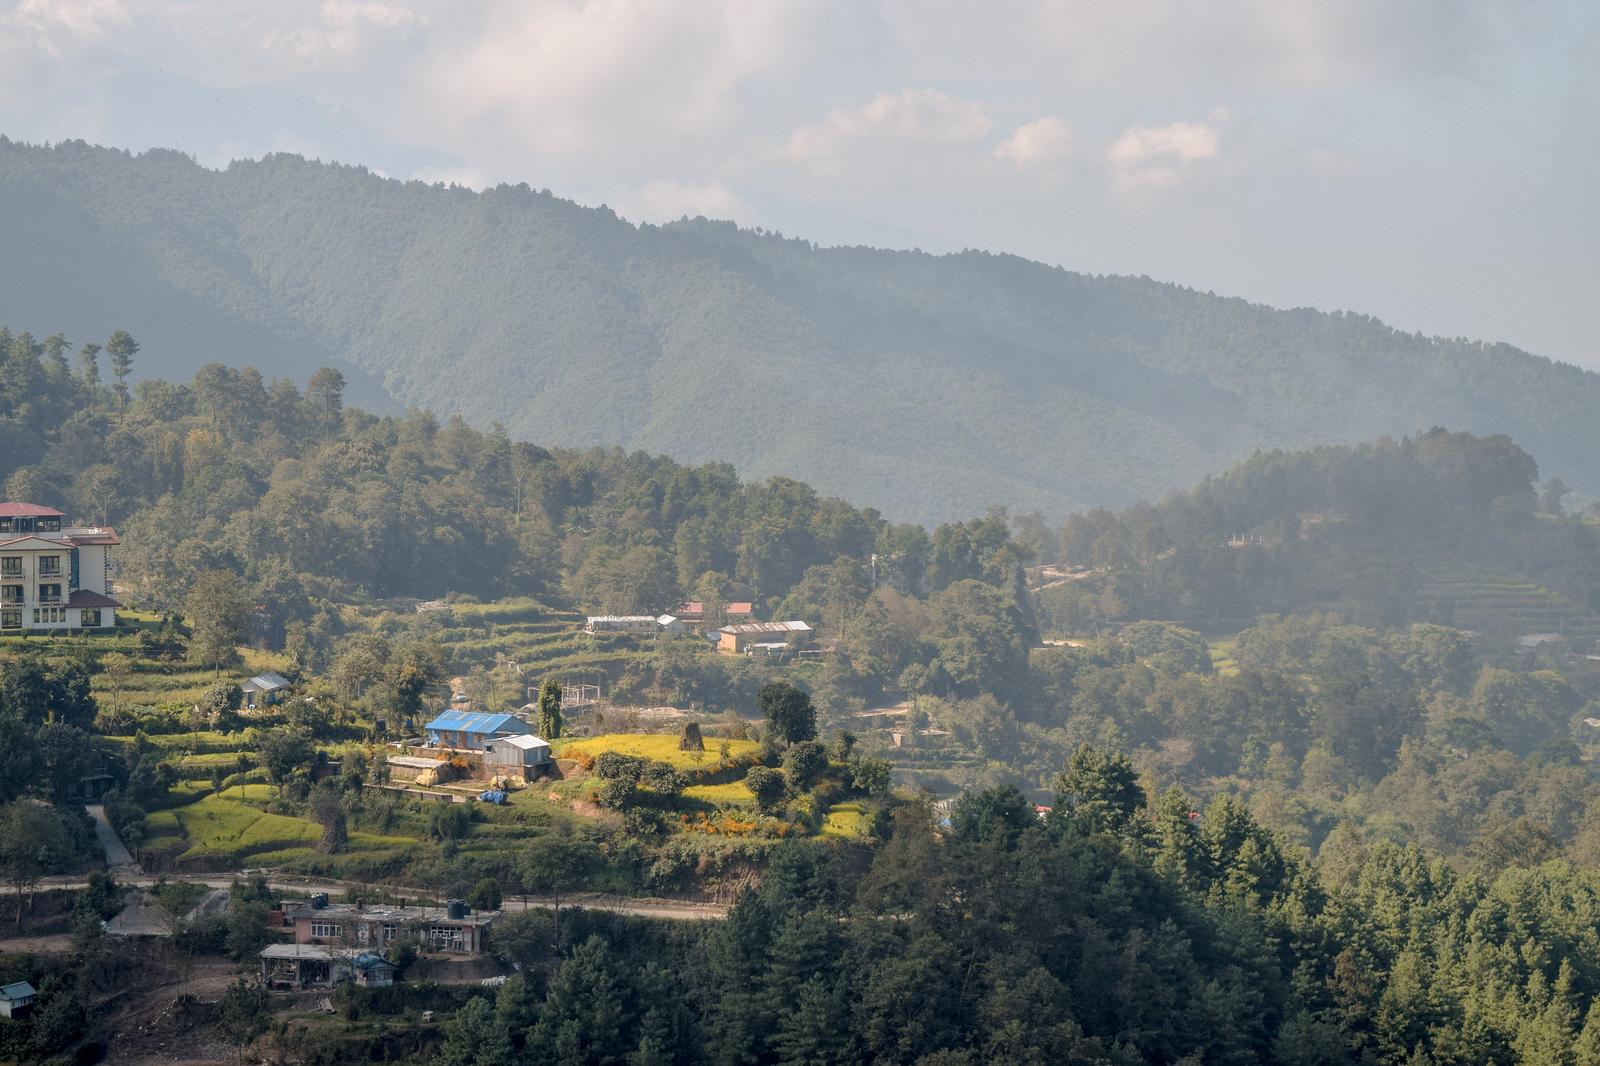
(52, 576)
(620, 623)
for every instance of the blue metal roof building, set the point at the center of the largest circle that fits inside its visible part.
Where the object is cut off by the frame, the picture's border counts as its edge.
(470, 729)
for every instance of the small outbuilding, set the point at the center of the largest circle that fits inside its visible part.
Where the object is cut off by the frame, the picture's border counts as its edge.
(292, 967)
(16, 999)
(523, 754)
(374, 971)
(264, 690)
(672, 625)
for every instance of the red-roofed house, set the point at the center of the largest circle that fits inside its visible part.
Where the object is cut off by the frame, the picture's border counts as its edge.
(53, 576)
(693, 612)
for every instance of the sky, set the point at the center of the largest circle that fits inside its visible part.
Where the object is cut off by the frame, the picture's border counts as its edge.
(1431, 163)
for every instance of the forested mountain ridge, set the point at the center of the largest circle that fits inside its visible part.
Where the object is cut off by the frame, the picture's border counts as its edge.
(931, 384)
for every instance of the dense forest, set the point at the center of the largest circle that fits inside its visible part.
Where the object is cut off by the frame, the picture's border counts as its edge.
(1109, 934)
(571, 326)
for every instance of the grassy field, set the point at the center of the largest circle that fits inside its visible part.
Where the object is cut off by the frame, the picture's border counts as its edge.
(847, 820)
(229, 828)
(729, 794)
(659, 748)
(1222, 660)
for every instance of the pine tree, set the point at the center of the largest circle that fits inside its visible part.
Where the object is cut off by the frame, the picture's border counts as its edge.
(549, 720)
(584, 1018)
(89, 361)
(122, 348)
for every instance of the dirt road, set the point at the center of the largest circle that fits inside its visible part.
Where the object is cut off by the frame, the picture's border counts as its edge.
(638, 907)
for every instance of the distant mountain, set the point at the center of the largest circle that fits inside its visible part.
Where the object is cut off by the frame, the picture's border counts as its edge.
(933, 385)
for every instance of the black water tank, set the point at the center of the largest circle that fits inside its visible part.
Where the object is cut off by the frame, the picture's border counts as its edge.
(456, 908)
(319, 901)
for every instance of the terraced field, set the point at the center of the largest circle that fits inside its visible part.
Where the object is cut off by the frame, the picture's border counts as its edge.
(1500, 603)
(225, 830)
(543, 640)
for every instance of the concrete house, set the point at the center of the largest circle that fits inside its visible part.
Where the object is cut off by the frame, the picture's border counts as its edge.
(53, 576)
(17, 999)
(454, 929)
(621, 623)
(264, 690)
(472, 730)
(741, 639)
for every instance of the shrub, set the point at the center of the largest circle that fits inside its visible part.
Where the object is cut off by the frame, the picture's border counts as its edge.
(767, 786)
(805, 763)
(663, 780)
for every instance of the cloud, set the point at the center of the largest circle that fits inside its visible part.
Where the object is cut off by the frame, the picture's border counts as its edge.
(664, 201)
(1042, 141)
(911, 116)
(343, 28)
(1151, 156)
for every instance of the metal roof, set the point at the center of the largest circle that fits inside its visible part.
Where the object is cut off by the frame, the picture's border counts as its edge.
(525, 741)
(17, 990)
(476, 722)
(268, 681)
(768, 627)
(303, 951)
(414, 762)
(17, 509)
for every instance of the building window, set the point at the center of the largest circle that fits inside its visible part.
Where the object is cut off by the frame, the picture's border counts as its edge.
(90, 617)
(389, 933)
(49, 594)
(48, 525)
(11, 594)
(49, 615)
(11, 566)
(446, 936)
(324, 929)
(49, 566)
(10, 619)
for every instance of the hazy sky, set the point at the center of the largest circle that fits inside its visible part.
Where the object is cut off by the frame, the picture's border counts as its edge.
(1433, 163)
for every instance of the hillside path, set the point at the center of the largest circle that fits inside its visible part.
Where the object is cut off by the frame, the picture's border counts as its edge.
(117, 855)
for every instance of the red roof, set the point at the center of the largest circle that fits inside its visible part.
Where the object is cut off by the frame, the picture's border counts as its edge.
(85, 598)
(26, 510)
(740, 608)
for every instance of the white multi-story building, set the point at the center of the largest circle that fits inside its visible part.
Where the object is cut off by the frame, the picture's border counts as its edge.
(53, 577)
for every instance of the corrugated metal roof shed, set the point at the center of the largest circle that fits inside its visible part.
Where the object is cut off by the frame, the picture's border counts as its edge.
(767, 627)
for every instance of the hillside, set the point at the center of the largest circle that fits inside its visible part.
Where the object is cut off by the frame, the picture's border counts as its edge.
(931, 385)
